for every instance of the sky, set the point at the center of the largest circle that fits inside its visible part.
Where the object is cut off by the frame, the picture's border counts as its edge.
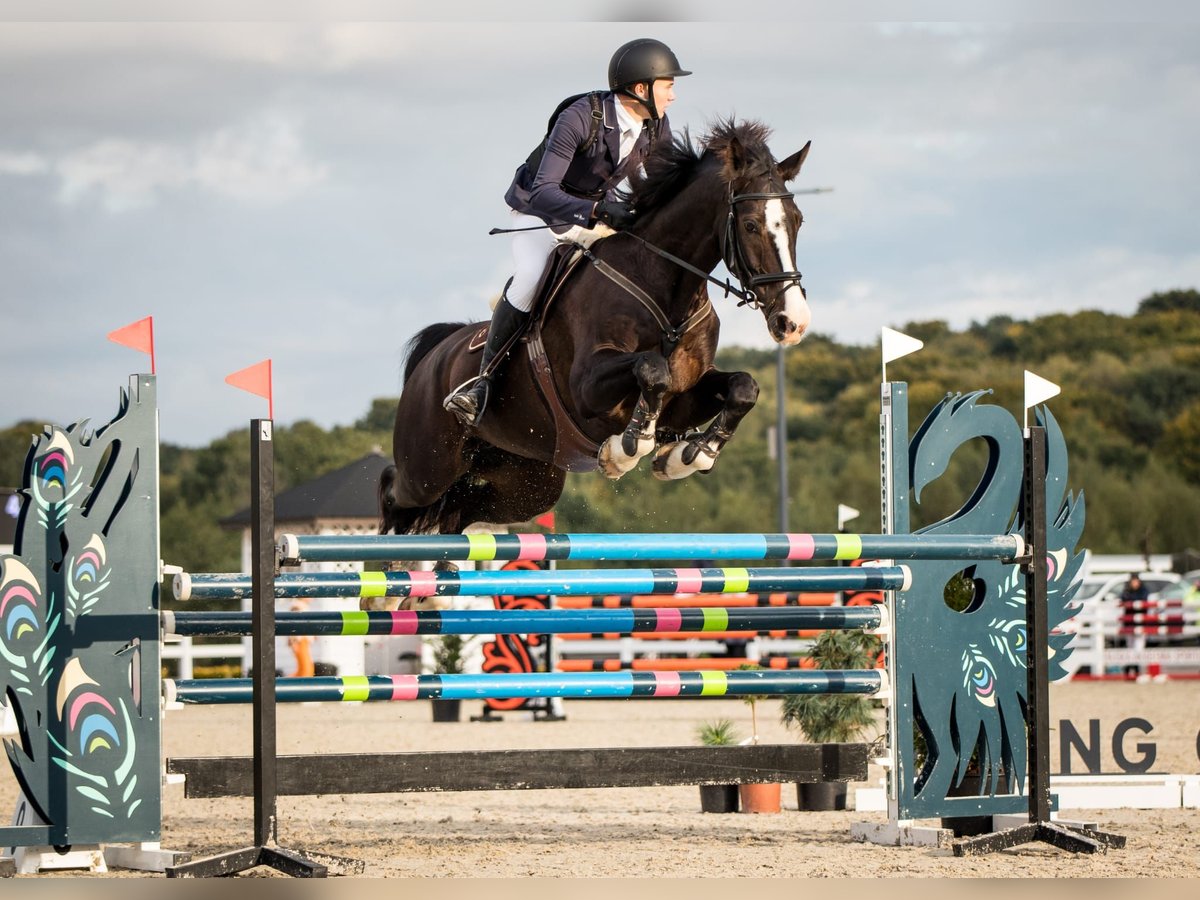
(315, 191)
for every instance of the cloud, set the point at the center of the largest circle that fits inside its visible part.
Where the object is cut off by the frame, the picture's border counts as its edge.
(23, 164)
(263, 162)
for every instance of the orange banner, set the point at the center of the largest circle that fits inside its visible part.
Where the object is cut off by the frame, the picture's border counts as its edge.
(255, 379)
(137, 336)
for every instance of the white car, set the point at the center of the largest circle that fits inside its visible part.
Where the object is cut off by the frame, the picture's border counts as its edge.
(1099, 596)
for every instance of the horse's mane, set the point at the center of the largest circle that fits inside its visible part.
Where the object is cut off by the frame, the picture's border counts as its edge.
(672, 164)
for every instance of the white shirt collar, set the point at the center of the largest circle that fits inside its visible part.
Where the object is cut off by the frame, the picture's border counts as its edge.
(625, 120)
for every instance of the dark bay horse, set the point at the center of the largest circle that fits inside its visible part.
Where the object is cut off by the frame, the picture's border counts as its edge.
(624, 378)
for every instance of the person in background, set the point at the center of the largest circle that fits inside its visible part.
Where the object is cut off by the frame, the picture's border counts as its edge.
(301, 647)
(1133, 606)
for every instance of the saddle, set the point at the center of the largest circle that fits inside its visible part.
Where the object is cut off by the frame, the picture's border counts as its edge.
(574, 451)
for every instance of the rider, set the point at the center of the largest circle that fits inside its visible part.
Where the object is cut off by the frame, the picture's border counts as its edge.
(574, 188)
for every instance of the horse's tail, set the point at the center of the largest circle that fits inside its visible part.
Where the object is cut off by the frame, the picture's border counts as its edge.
(387, 502)
(425, 340)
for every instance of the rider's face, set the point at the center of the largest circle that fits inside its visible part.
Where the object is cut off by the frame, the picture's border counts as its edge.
(664, 93)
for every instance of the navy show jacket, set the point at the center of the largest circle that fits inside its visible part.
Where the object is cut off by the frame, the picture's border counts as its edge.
(573, 176)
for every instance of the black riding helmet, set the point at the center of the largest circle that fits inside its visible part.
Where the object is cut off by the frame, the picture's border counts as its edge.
(642, 61)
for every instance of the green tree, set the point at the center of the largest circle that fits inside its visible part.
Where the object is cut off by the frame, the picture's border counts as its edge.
(1166, 301)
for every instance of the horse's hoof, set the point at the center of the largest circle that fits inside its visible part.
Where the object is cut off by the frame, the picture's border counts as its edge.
(609, 470)
(669, 465)
(612, 460)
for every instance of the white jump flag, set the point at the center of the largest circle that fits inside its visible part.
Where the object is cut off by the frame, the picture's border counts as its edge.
(897, 344)
(845, 514)
(1037, 390)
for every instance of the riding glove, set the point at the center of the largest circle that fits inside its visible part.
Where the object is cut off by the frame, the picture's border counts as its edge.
(615, 214)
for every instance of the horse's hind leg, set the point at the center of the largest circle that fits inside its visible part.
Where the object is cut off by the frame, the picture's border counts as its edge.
(504, 487)
(728, 396)
(621, 452)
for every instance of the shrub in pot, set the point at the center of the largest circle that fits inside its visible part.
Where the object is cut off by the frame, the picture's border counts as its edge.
(718, 798)
(449, 658)
(832, 718)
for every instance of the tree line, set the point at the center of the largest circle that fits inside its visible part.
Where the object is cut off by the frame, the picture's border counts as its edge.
(1130, 410)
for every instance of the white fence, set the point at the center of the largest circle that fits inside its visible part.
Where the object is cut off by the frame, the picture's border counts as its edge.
(1106, 643)
(185, 652)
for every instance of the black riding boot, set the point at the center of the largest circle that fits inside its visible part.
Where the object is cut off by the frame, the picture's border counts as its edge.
(468, 402)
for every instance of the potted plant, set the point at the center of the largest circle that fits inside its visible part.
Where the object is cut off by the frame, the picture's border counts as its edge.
(832, 718)
(758, 798)
(718, 798)
(449, 658)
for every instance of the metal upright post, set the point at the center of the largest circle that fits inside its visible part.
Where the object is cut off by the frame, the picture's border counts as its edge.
(1037, 626)
(265, 851)
(781, 440)
(1040, 828)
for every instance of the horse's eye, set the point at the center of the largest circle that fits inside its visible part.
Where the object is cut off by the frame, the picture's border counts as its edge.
(751, 226)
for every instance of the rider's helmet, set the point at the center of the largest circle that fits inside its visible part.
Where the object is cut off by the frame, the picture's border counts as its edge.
(642, 61)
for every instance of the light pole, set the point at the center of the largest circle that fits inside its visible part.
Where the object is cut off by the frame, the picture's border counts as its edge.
(781, 442)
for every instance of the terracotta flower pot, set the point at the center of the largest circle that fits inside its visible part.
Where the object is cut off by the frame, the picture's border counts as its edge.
(761, 798)
(719, 798)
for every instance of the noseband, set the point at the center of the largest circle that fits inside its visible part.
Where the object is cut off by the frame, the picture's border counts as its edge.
(735, 256)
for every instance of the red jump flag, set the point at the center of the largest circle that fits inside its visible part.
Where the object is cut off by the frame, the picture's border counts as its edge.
(257, 380)
(546, 520)
(138, 336)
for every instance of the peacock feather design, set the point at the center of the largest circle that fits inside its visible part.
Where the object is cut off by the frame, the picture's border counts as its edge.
(101, 744)
(78, 627)
(968, 692)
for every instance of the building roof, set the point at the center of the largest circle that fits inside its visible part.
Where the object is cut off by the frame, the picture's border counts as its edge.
(345, 493)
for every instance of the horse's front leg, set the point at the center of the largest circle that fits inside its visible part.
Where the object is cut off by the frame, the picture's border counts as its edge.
(728, 396)
(621, 452)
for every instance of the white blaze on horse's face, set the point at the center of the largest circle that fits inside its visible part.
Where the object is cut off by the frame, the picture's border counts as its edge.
(790, 321)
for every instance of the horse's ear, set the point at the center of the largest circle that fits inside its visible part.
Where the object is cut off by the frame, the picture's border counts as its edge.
(735, 156)
(790, 167)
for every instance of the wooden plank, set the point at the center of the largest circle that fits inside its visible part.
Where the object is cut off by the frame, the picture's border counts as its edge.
(387, 773)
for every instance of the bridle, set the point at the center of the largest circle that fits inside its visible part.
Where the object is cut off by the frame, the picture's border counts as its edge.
(735, 256)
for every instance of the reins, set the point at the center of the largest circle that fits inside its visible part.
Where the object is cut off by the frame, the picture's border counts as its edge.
(672, 334)
(735, 262)
(743, 296)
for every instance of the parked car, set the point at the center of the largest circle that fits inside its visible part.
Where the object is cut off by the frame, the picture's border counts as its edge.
(1107, 588)
(1186, 591)
(1184, 597)
(1100, 595)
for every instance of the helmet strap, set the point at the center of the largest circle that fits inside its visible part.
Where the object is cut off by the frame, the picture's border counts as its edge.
(647, 101)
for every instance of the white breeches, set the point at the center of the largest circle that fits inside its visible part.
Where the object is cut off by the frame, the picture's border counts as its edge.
(531, 249)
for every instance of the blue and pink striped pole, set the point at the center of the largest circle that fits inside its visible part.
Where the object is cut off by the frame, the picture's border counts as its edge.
(294, 549)
(530, 621)
(573, 685)
(559, 582)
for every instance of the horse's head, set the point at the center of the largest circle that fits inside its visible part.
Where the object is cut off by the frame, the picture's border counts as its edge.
(761, 223)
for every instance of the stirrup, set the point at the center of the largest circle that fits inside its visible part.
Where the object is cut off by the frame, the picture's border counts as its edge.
(463, 402)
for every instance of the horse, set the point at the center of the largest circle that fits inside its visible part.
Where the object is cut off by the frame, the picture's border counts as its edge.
(621, 357)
